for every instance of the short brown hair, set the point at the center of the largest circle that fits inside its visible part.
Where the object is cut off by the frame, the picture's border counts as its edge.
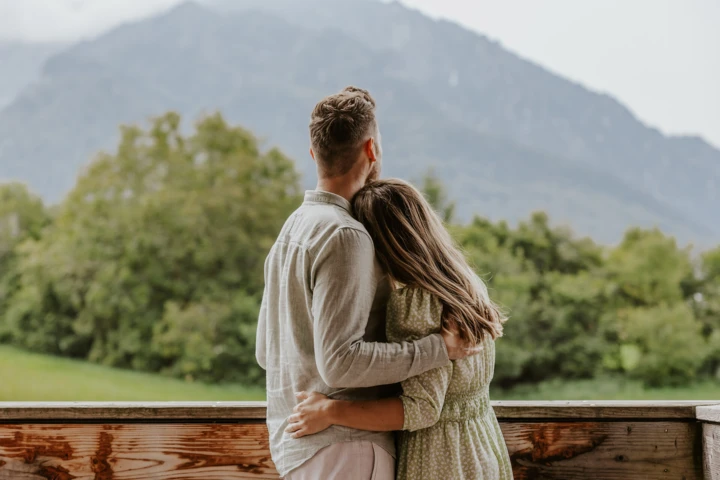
(339, 126)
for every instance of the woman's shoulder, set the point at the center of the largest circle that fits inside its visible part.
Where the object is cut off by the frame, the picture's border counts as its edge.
(414, 310)
(409, 295)
(405, 291)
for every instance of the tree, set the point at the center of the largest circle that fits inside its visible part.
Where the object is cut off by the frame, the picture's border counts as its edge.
(661, 345)
(553, 249)
(549, 283)
(157, 237)
(649, 269)
(22, 217)
(436, 195)
(706, 304)
(655, 334)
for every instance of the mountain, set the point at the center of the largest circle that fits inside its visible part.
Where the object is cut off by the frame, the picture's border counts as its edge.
(21, 63)
(440, 91)
(480, 84)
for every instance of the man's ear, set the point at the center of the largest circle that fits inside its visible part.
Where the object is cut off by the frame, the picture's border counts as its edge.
(312, 154)
(370, 150)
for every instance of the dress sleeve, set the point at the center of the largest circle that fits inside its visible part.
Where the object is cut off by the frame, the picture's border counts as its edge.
(414, 314)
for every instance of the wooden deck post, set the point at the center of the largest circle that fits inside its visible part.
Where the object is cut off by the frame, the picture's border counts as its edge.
(710, 418)
(229, 440)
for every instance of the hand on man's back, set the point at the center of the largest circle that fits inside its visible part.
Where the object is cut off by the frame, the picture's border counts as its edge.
(457, 347)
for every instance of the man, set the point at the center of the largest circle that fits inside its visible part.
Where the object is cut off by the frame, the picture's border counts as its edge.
(322, 320)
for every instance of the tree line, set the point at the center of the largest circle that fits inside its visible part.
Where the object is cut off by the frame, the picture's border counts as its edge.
(154, 262)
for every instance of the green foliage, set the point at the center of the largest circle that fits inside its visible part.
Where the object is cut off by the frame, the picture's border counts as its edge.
(578, 310)
(213, 341)
(436, 195)
(159, 243)
(706, 304)
(155, 262)
(647, 268)
(22, 217)
(661, 345)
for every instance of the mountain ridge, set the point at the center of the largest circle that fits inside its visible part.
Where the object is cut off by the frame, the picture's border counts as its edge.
(508, 92)
(21, 63)
(193, 59)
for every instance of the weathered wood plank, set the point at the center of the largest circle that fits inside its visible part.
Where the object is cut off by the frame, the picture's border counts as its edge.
(709, 414)
(199, 411)
(599, 410)
(604, 450)
(547, 440)
(598, 450)
(711, 451)
(135, 451)
(136, 411)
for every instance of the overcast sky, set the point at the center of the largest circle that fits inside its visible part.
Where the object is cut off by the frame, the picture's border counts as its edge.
(659, 57)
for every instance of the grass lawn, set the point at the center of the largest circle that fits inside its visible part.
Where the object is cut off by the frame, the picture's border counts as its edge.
(608, 389)
(32, 377)
(28, 376)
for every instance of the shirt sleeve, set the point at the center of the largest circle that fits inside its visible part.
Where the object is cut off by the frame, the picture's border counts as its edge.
(414, 313)
(343, 281)
(261, 334)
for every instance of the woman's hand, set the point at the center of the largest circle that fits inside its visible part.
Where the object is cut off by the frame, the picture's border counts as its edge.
(312, 415)
(457, 347)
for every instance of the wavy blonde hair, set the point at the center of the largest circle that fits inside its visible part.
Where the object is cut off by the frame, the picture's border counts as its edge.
(415, 249)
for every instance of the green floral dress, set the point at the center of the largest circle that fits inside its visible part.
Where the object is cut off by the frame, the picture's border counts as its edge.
(450, 430)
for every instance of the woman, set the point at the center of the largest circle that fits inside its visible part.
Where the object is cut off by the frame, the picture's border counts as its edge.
(448, 429)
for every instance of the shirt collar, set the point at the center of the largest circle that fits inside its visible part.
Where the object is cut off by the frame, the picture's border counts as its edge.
(318, 196)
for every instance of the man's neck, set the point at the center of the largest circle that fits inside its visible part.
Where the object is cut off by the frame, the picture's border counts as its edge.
(342, 186)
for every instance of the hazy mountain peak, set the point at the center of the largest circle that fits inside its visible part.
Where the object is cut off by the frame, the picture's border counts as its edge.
(187, 7)
(506, 135)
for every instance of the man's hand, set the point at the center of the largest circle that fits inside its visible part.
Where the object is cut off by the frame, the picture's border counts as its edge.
(458, 348)
(312, 415)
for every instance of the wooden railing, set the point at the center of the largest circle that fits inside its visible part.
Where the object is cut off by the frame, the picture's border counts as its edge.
(208, 441)
(710, 418)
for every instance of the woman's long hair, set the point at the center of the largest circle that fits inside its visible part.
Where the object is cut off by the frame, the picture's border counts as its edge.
(416, 250)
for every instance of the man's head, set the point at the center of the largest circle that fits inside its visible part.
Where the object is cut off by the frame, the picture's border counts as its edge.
(344, 135)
